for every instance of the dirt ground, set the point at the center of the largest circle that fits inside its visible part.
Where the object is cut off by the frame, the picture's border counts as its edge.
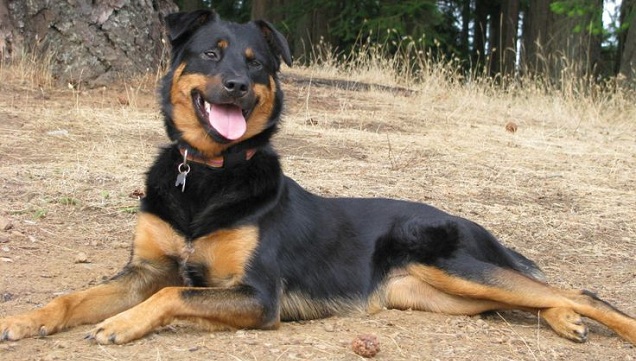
(561, 189)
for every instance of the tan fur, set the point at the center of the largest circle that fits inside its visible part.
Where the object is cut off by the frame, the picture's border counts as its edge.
(510, 289)
(262, 112)
(226, 254)
(184, 114)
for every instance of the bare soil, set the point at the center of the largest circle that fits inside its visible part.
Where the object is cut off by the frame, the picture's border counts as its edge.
(561, 189)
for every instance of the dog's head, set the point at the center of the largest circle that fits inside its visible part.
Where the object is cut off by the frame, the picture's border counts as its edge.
(221, 88)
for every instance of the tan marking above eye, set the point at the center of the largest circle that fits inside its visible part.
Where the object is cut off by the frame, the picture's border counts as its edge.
(222, 44)
(249, 54)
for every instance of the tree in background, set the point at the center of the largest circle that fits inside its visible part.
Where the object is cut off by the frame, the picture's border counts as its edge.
(561, 35)
(94, 42)
(626, 59)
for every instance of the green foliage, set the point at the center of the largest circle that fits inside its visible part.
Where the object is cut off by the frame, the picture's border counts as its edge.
(587, 13)
(384, 21)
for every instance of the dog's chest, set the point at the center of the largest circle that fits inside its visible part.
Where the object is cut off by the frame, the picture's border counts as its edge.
(218, 259)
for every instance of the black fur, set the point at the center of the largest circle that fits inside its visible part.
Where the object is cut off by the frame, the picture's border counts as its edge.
(323, 248)
(241, 245)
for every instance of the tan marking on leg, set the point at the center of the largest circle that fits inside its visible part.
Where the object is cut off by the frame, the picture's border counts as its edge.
(156, 239)
(409, 292)
(518, 291)
(148, 271)
(208, 306)
(565, 322)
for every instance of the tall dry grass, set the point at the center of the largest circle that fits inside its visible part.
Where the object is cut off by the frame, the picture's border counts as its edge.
(28, 69)
(409, 64)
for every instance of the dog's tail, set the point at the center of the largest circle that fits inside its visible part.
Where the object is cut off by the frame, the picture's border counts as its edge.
(526, 266)
(489, 249)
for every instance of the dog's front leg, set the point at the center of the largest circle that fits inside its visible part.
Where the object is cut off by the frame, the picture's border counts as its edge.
(149, 270)
(236, 307)
(83, 307)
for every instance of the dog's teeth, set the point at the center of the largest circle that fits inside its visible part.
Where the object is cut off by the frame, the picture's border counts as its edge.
(207, 107)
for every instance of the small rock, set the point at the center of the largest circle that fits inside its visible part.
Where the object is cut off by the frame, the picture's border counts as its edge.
(366, 345)
(5, 224)
(511, 127)
(6, 297)
(481, 323)
(17, 235)
(329, 327)
(81, 258)
(123, 99)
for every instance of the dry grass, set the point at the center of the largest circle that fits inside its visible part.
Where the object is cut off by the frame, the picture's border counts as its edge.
(560, 189)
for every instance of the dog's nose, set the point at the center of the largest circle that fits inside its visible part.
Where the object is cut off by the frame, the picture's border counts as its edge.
(236, 87)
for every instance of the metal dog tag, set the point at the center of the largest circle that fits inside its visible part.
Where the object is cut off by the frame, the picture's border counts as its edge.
(181, 180)
(184, 169)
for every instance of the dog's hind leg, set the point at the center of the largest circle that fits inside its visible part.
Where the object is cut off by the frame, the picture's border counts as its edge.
(472, 286)
(409, 292)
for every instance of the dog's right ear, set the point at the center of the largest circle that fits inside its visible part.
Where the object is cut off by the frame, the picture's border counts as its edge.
(183, 24)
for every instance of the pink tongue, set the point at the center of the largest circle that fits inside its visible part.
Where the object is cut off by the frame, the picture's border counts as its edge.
(227, 120)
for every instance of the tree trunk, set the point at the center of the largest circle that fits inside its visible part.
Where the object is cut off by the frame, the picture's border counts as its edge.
(535, 37)
(89, 42)
(554, 43)
(269, 10)
(190, 5)
(465, 33)
(627, 45)
(494, 38)
(481, 26)
(508, 39)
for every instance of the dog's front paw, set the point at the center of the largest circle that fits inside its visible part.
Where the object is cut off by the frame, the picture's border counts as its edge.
(26, 325)
(566, 323)
(119, 329)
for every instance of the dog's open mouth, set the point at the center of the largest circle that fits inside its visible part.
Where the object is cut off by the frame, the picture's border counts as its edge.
(228, 120)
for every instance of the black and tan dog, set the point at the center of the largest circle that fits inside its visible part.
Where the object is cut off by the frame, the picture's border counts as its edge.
(226, 240)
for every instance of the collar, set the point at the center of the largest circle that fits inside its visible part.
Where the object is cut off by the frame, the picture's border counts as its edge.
(226, 160)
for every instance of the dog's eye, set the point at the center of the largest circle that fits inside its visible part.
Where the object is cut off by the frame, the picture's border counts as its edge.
(212, 54)
(255, 64)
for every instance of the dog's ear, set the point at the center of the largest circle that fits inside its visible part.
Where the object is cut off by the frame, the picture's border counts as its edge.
(183, 24)
(276, 41)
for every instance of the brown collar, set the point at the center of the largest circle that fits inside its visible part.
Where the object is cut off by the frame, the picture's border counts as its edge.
(221, 160)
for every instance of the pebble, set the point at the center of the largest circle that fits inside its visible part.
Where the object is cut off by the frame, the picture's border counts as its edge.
(81, 257)
(5, 224)
(366, 345)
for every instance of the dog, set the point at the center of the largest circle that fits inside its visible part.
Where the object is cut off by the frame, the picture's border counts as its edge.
(226, 240)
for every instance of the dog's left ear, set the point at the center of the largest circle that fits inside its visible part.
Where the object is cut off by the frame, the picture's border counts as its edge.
(276, 41)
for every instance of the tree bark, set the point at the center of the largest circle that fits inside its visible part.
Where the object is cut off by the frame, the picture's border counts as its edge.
(627, 45)
(481, 26)
(269, 10)
(535, 37)
(465, 33)
(91, 42)
(508, 39)
(552, 45)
